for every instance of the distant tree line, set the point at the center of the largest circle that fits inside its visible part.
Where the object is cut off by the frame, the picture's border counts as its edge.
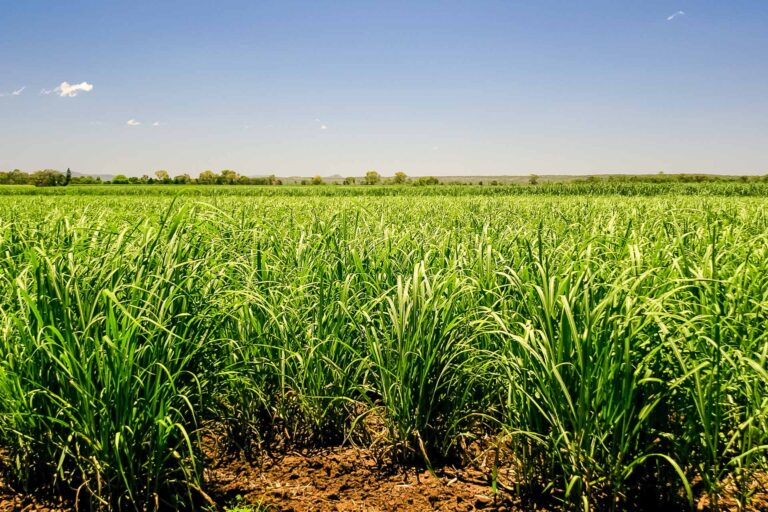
(43, 178)
(225, 177)
(374, 178)
(670, 178)
(54, 178)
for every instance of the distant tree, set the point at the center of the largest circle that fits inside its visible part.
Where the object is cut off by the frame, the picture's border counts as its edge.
(304, 182)
(120, 179)
(317, 180)
(207, 178)
(350, 180)
(533, 179)
(86, 180)
(47, 178)
(229, 177)
(17, 177)
(372, 178)
(163, 176)
(68, 177)
(400, 178)
(182, 179)
(426, 180)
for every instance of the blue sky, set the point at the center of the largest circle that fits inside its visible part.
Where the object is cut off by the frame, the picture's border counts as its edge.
(443, 88)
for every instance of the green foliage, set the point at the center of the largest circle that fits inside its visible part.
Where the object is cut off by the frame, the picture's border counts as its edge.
(207, 178)
(372, 178)
(400, 178)
(229, 177)
(162, 176)
(14, 177)
(48, 178)
(425, 180)
(182, 179)
(100, 392)
(613, 348)
(240, 505)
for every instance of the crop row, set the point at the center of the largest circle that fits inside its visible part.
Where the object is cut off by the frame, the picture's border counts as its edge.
(610, 351)
(756, 187)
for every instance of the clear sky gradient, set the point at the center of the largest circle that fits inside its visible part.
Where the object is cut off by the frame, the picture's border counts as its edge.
(429, 88)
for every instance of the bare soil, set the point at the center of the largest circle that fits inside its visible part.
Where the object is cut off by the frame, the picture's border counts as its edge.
(345, 479)
(333, 479)
(350, 479)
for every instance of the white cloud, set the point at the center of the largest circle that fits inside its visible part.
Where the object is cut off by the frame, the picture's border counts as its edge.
(67, 90)
(675, 15)
(323, 127)
(157, 123)
(132, 122)
(17, 92)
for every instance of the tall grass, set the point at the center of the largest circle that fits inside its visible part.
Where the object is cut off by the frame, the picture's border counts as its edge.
(612, 351)
(103, 343)
(729, 188)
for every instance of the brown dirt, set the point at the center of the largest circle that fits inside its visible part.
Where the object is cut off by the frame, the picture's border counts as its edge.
(350, 479)
(347, 479)
(758, 490)
(334, 479)
(14, 501)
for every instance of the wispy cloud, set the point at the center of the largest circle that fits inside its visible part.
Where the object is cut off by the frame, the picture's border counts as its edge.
(675, 15)
(17, 92)
(322, 125)
(133, 122)
(157, 123)
(67, 90)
